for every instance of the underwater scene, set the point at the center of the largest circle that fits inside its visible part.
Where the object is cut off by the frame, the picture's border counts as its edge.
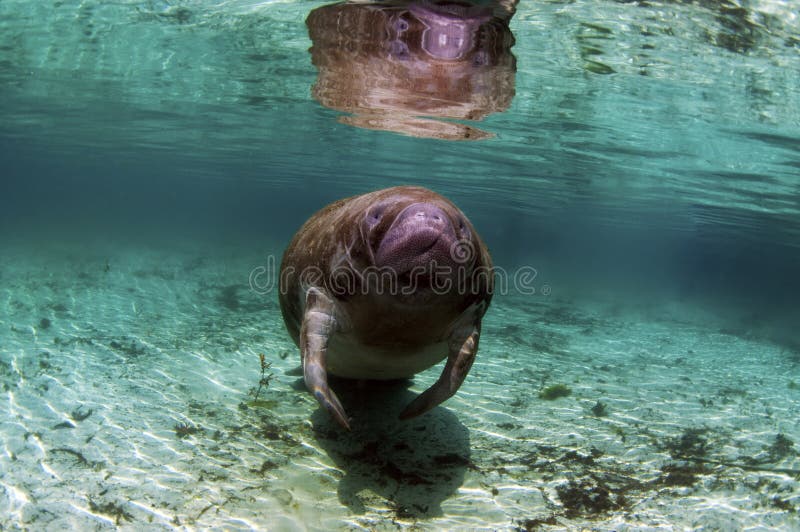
(618, 183)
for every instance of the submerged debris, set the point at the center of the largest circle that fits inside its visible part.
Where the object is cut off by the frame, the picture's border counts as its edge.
(78, 415)
(81, 459)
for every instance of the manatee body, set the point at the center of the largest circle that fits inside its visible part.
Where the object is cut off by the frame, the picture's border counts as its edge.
(382, 286)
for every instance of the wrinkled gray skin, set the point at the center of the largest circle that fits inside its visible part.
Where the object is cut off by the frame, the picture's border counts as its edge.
(382, 286)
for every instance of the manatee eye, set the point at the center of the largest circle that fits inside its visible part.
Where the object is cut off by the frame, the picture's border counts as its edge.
(399, 50)
(462, 227)
(400, 25)
(481, 58)
(374, 215)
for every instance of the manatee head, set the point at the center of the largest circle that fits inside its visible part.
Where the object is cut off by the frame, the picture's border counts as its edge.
(417, 239)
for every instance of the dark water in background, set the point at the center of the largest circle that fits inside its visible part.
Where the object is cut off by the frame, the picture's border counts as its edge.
(651, 148)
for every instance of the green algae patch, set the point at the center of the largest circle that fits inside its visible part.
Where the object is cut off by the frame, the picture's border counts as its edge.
(555, 391)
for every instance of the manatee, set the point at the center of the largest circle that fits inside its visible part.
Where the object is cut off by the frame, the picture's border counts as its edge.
(382, 286)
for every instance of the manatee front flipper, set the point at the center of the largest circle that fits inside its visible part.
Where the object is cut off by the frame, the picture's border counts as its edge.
(318, 325)
(463, 347)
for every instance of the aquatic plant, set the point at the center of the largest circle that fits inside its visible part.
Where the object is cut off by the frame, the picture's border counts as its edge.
(599, 409)
(132, 349)
(780, 448)
(185, 429)
(112, 510)
(529, 525)
(690, 444)
(265, 378)
(588, 497)
(554, 391)
(684, 474)
(782, 504)
(266, 467)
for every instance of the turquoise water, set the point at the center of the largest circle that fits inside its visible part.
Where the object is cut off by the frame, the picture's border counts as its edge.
(642, 157)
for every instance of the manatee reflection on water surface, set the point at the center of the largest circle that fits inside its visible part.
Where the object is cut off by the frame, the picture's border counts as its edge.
(413, 66)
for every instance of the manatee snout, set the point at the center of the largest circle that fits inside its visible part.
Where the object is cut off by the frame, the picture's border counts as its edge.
(421, 233)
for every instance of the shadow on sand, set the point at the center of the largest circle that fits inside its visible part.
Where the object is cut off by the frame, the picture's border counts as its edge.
(414, 465)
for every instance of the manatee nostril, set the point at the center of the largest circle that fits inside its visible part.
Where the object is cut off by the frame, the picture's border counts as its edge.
(425, 214)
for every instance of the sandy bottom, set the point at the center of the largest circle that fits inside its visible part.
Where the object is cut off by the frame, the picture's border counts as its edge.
(128, 379)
